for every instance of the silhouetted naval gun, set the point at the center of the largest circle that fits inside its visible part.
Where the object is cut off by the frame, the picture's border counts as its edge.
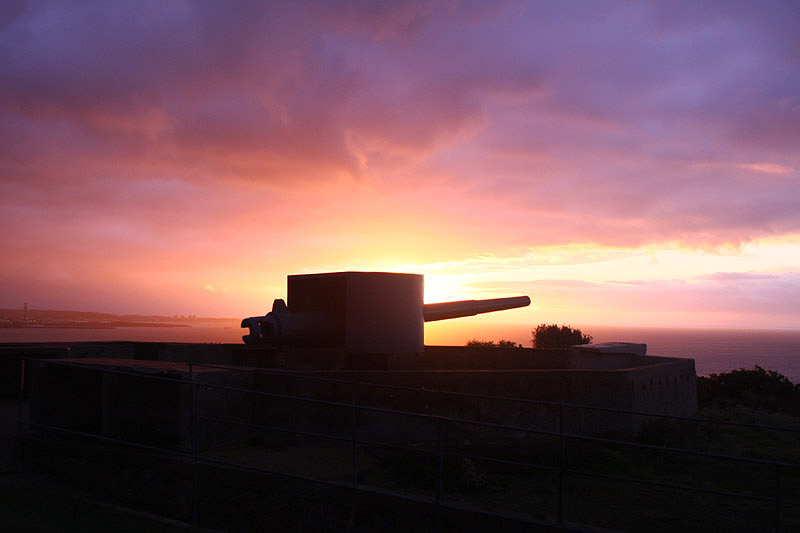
(361, 312)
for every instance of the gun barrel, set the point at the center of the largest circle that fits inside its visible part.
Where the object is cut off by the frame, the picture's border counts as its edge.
(445, 310)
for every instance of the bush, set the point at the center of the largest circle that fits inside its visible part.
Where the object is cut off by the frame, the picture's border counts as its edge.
(756, 388)
(551, 336)
(502, 343)
(475, 343)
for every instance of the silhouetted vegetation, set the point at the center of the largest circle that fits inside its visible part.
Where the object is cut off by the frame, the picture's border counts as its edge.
(502, 343)
(552, 336)
(756, 389)
(761, 397)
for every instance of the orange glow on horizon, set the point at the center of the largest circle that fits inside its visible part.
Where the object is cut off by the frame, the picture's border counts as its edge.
(167, 178)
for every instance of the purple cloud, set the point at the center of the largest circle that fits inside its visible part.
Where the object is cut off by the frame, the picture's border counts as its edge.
(499, 127)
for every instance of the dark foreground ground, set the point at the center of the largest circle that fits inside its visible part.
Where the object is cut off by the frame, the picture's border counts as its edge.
(30, 502)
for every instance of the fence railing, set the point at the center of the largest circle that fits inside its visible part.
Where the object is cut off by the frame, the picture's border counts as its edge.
(365, 429)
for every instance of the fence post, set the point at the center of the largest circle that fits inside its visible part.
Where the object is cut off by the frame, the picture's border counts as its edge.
(18, 442)
(778, 488)
(439, 472)
(561, 461)
(354, 428)
(195, 448)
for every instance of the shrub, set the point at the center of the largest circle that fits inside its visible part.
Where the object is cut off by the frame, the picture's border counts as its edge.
(551, 336)
(475, 343)
(756, 388)
(502, 343)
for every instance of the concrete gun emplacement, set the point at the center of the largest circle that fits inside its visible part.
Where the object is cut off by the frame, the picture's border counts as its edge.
(361, 312)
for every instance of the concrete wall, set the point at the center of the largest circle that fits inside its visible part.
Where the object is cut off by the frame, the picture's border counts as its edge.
(159, 413)
(65, 397)
(668, 387)
(310, 358)
(91, 396)
(617, 390)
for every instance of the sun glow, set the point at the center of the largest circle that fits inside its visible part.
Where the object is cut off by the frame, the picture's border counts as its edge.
(443, 288)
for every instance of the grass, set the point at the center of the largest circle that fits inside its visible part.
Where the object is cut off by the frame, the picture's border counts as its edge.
(589, 498)
(32, 510)
(593, 496)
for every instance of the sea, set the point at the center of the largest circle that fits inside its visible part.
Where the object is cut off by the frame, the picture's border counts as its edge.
(714, 350)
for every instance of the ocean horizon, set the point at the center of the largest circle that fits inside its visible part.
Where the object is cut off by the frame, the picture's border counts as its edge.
(714, 350)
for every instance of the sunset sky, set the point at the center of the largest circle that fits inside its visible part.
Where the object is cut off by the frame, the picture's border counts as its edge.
(622, 163)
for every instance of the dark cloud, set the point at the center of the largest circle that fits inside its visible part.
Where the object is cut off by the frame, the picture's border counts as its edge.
(619, 124)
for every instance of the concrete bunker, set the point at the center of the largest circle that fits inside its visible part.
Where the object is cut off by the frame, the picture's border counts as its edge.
(152, 402)
(344, 337)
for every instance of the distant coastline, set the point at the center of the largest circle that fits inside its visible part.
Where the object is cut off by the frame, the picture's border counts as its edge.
(89, 325)
(66, 319)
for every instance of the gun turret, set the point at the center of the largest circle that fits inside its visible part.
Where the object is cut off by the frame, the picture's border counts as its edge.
(362, 312)
(280, 326)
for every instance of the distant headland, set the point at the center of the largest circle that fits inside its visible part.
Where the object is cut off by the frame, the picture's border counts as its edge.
(41, 318)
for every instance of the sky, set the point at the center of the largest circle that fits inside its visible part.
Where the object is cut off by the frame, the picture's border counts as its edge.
(622, 163)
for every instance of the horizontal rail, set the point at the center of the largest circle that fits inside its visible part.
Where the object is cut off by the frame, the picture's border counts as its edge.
(366, 489)
(362, 444)
(420, 451)
(300, 375)
(413, 414)
(366, 384)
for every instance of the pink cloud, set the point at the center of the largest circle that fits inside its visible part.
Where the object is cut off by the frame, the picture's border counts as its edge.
(767, 168)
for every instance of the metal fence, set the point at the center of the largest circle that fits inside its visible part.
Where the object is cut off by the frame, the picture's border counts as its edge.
(446, 464)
